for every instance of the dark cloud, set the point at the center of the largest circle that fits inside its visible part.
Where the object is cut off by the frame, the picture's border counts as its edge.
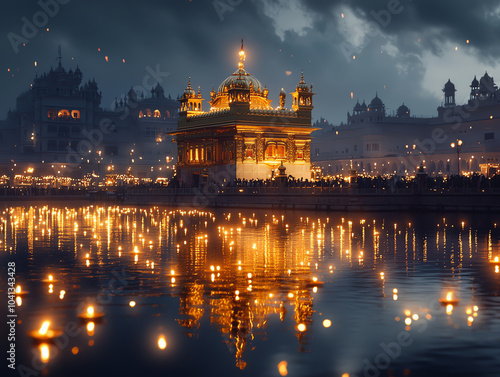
(193, 38)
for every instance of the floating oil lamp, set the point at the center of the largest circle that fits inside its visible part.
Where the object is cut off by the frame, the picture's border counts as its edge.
(20, 292)
(50, 280)
(495, 260)
(449, 300)
(314, 282)
(90, 314)
(45, 333)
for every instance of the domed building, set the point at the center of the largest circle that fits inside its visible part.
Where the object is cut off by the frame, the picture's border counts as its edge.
(242, 136)
(403, 111)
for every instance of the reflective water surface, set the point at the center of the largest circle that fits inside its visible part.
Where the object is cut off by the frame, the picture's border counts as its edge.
(156, 291)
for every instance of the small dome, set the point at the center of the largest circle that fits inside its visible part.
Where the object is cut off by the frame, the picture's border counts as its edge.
(302, 86)
(474, 82)
(449, 86)
(376, 103)
(189, 92)
(403, 111)
(358, 107)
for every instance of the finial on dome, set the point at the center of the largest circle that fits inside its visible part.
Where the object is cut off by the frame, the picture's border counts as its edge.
(242, 56)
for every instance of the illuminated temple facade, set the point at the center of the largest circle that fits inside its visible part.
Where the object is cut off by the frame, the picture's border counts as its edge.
(242, 136)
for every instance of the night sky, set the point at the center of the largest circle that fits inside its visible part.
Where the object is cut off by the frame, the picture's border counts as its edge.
(406, 58)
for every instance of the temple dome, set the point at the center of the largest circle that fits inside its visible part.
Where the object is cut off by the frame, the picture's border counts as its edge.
(403, 111)
(245, 77)
(376, 102)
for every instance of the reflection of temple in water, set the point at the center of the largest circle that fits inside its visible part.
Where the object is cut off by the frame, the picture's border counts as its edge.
(241, 285)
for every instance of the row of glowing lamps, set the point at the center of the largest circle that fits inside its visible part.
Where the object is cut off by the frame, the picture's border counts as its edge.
(45, 333)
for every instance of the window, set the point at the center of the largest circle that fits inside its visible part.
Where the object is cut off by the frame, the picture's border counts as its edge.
(63, 114)
(141, 114)
(157, 114)
(75, 114)
(63, 131)
(148, 113)
(167, 114)
(275, 150)
(52, 114)
(489, 136)
(249, 153)
(300, 155)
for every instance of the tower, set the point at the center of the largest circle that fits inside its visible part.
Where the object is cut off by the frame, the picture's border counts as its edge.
(449, 94)
(190, 101)
(302, 98)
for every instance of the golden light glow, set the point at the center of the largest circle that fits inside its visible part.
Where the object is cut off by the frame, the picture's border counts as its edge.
(44, 328)
(90, 310)
(327, 323)
(19, 301)
(162, 343)
(449, 296)
(90, 328)
(449, 309)
(282, 368)
(74, 350)
(301, 327)
(132, 304)
(44, 352)
(18, 289)
(407, 313)
(415, 317)
(408, 321)
(51, 278)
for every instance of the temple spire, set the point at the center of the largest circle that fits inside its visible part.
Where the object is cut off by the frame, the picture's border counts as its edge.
(59, 57)
(242, 56)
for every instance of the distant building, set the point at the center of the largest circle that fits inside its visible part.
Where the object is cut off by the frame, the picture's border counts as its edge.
(375, 143)
(242, 136)
(59, 127)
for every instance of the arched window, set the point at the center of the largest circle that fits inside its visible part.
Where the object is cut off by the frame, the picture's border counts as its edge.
(157, 113)
(148, 113)
(75, 114)
(64, 114)
(52, 114)
(141, 114)
(167, 114)
(275, 150)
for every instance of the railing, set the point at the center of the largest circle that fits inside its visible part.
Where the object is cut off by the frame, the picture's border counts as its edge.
(307, 191)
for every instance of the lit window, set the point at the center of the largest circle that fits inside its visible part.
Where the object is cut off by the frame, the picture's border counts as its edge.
(75, 114)
(157, 114)
(63, 114)
(148, 113)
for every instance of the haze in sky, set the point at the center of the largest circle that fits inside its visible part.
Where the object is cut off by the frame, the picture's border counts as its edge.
(349, 49)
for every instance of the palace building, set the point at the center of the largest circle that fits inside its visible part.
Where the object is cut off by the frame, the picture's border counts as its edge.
(242, 136)
(460, 139)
